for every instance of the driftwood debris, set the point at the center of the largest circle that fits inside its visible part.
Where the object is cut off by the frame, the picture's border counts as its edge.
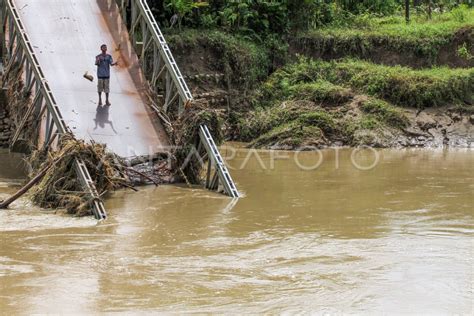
(143, 175)
(29, 185)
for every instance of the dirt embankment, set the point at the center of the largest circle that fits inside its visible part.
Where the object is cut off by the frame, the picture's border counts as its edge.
(357, 120)
(438, 127)
(389, 50)
(212, 79)
(13, 105)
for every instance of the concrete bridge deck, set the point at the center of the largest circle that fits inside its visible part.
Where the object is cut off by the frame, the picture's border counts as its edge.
(66, 36)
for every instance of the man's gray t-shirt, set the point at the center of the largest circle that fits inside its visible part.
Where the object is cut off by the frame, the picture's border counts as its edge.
(103, 63)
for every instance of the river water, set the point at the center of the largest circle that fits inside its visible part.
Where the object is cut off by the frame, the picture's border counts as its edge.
(328, 238)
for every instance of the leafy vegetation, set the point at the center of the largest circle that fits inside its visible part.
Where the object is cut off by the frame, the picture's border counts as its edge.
(181, 8)
(384, 112)
(263, 17)
(399, 85)
(363, 34)
(351, 87)
(464, 52)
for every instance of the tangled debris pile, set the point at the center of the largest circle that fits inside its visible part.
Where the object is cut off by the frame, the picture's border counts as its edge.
(53, 172)
(60, 187)
(16, 107)
(185, 135)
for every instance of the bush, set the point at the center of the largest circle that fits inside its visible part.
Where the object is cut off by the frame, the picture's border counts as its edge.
(321, 91)
(384, 112)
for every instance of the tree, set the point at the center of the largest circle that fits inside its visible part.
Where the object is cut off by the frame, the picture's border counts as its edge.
(183, 7)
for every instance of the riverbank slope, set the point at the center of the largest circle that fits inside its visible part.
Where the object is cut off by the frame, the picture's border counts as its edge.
(377, 82)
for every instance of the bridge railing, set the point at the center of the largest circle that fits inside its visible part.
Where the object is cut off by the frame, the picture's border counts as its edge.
(164, 76)
(17, 51)
(160, 69)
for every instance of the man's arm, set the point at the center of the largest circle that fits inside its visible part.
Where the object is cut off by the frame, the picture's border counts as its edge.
(112, 61)
(97, 60)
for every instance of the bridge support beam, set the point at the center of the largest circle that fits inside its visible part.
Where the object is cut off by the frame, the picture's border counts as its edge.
(166, 79)
(20, 54)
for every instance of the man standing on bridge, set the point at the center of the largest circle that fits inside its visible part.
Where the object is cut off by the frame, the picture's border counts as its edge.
(103, 62)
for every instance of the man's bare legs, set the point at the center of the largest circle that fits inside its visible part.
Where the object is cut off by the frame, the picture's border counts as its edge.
(107, 99)
(100, 98)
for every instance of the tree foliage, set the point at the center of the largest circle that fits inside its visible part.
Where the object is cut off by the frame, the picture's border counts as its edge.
(258, 18)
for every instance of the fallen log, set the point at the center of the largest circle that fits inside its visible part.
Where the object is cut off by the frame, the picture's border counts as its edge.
(29, 185)
(125, 185)
(143, 175)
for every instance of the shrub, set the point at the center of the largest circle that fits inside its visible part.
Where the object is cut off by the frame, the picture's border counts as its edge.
(385, 112)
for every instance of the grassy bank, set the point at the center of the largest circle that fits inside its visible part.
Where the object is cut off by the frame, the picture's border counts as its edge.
(328, 97)
(349, 102)
(445, 39)
(401, 86)
(295, 124)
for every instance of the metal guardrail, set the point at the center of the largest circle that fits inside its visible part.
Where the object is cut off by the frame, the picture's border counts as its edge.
(147, 38)
(18, 51)
(216, 161)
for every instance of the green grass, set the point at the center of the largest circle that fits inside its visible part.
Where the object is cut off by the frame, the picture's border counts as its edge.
(299, 123)
(321, 91)
(401, 86)
(263, 120)
(299, 113)
(422, 37)
(441, 25)
(381, 111)
(291, 134)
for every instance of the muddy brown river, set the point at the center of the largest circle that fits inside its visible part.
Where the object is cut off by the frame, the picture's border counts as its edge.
(330, 232)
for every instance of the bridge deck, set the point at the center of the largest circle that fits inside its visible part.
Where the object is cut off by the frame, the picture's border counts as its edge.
(66, 35)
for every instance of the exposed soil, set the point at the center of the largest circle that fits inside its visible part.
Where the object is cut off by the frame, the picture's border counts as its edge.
(382, 51)
(448, 54)
(433, 127)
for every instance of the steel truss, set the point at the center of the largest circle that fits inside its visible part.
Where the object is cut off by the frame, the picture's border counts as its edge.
(156, 59)
(164, 76)
(17, 51)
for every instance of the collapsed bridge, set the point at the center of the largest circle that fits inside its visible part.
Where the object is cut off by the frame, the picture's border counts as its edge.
(55, 44)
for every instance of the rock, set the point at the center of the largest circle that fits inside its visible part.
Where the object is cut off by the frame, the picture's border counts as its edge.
(425, 121)
(456, 117)
(471, 119)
